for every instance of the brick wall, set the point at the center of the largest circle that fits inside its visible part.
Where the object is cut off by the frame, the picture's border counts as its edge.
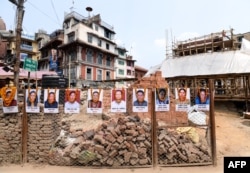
(43, 129)
(10, 138)
(170, 117)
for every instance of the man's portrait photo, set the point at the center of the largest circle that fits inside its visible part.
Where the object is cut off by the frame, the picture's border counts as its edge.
(118, 100)
(140, 100)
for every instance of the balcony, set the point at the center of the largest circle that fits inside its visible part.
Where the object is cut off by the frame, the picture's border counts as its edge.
(26, 47)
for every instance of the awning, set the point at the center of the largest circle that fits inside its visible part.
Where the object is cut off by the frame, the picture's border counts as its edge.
(36, 75)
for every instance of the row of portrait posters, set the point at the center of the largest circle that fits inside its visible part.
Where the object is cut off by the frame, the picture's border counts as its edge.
(95, 100)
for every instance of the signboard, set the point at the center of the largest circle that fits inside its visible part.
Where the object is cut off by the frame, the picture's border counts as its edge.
(30, 64)
(53, 62)
(23, 56)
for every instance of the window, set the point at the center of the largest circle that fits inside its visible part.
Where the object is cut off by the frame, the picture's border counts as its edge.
(26, 42)
(39, 44)
(107, 34)
(100, 42)
(130, 64)
(120, 52)
(107, 46)
(108, 61)
(71, 37)
(99, 74)
(96, 27)
(120, 62)
(72, 56)
(90, 38)
(89, 73)
(89, 55)
(99, 58)
(121, 72)
(128, 72)
(73, 73)
(107, 75)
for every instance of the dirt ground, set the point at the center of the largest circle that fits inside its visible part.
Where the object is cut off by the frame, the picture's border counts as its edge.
(232, 139)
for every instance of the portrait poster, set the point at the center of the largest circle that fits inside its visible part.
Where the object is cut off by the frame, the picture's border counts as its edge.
(9, 97)
(51, 101)
(118, 100)
(140, 100)
(32, 100)
(53, 61)
(161, 99)
(95, 97)
(72, 101)
(202, 99)
(182, 99)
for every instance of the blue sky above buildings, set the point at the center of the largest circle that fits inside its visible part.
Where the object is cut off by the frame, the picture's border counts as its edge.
(141, 26)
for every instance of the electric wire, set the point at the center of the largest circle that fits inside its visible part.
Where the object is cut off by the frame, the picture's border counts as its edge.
(51, 18)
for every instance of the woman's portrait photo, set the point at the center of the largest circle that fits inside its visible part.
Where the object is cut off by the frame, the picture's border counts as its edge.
(51, 97)
(95, 101)
(182, 99)
(202, 99)
(162, 99)
(9, 97)
(32, 100)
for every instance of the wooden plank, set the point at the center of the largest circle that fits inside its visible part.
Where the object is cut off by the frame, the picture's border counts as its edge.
(24, 131)
(154, 131)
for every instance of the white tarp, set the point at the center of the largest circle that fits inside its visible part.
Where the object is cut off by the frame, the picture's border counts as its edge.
(227, 62)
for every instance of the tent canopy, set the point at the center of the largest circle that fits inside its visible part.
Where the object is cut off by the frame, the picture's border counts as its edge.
(36, 75)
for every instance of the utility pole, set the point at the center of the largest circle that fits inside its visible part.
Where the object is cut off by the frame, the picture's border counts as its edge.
(20, 14)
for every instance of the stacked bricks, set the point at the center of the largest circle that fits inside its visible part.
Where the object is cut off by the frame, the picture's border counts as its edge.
(124, 141)
(10, 138)
(43, 129)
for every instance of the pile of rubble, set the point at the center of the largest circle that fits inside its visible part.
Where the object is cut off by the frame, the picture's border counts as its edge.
(181, 148)
(118, 142)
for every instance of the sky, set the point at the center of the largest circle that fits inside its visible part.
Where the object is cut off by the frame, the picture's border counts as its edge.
(146, 28)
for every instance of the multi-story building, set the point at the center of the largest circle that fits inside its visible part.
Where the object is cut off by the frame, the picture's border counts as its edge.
(88, 49)
(140, 72)
(28, 46)
(50, 56)
(3, 43)
(124, 65)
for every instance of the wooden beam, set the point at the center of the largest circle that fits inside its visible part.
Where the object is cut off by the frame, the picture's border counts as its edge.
(212, 122)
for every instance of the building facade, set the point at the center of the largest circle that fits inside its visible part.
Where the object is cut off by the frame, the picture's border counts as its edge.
(125, 68)
(88, 49)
